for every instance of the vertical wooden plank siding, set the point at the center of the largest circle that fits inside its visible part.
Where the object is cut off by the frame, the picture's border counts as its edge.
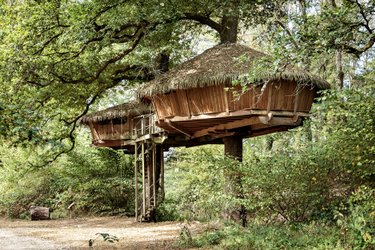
(226, 101)
(306, 98)
(163, 106)
(94, 132)
(261, 98)
(187, 103)
(195, 103)
(181, 103)
(270, 97)
(131, 124)
(275, 95)
(284, 95)
(296, 100)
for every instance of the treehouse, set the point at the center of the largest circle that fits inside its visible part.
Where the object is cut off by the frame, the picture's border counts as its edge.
(216, 97)
(211, 96)
(117, 127)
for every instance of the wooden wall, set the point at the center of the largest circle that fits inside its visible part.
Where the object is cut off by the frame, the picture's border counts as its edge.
(132, 126)
(276, 96)
(110, 131)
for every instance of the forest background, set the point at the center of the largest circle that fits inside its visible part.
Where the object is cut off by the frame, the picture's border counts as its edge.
(309, 187)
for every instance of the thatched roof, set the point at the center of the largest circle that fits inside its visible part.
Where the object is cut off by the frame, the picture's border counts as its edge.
(223, 63)
(122, 110)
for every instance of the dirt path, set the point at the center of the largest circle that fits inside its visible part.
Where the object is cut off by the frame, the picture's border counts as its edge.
(76, 233)
(9, 240)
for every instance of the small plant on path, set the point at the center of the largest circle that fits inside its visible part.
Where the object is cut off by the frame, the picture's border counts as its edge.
(106, 237)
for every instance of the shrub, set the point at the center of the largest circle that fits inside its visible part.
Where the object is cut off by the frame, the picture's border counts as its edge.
(98, 181)
(356, 219)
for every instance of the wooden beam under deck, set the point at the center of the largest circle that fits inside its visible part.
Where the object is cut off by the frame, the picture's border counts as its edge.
(243, 112)
(176, 127)
(227, 126)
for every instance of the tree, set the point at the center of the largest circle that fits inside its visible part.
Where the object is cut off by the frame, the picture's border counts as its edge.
(325, 37)
(58, 58)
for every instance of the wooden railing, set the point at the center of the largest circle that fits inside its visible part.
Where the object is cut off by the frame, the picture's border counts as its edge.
(145, 125)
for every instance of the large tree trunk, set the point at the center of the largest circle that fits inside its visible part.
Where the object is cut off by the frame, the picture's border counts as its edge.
(339, 70)
(233, 186)
(229, 29)
(229, 23)
(233, 145)
(163, 62)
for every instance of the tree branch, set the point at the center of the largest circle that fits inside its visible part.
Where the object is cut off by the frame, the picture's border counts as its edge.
(367, 22)
(45, 44)
(139, 35)
(359, 51)
(206, 20)
(288, 32)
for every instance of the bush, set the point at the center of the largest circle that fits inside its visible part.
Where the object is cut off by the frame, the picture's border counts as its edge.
(197, 191)
(356, 219)
(287, 186)
(98, 181)
(258, 236)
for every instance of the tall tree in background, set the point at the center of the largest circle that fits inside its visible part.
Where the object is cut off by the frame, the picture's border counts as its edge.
(325, 37)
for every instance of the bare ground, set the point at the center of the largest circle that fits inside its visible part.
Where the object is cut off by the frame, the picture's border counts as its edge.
(76, 233)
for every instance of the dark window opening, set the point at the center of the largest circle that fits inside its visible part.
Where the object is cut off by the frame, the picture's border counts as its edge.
(121, 120)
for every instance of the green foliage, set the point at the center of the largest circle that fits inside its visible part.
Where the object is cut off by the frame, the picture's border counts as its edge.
(198, 191)
(185, 239)
(348, 118)
(106, 237)
(168, 210)
(98, 181)
(356, 219)
(302, 189)
(299, 186)
(210, 236)
(57, 58)
(312, 236)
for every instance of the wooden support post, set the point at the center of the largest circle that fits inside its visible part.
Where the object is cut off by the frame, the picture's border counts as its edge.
(143, 179)
(174, 126)
(136, 165)
(233, 148)
(142, 125)
(149, 177)
(154, 173)
(152, 124)
(131, 132)
(162, 173)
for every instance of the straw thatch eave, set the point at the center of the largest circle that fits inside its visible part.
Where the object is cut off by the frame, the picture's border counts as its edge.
(222, 64)
(116, 112)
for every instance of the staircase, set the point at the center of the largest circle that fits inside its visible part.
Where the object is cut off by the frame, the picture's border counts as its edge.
(148, 176)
